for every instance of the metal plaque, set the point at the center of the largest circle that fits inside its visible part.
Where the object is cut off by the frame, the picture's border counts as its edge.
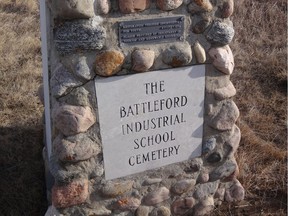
(151, 30)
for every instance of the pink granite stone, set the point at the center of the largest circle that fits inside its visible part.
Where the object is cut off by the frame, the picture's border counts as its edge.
(71, 120)
(235, 193)
(227, 8)
(127, 204)
(142, 60)
(223, 59)
(132, 6)
(74, 193)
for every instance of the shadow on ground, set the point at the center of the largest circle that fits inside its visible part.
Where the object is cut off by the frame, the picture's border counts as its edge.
(22, 177)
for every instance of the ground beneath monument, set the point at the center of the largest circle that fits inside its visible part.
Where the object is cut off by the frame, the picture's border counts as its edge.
(259, 77)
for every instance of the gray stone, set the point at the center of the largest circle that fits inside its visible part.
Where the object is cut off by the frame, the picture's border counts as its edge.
(234, 140)
(75, 148)
(204, 207)
(200, 53)
(79, 35)
(207, 189)
(73, 9)
(181, 206)
(225, 92)
(183, 186)
(83, 70)
(160, 211)
(77, 97)
(71, 120)
(226, 117)
(178, 55)
(143, 211)
(67, 172)
(62, 81)
(156, 196)
(114, 189)
(235, 193)
(194, 165)
(223, 171)
(209, 145)
(221, 33)
(214, 157)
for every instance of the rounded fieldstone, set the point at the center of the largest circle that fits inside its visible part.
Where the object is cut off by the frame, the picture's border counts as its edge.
(71, 120)
(227, 9)
(235, 193)
(156, 196)
(200, 53)
(223, 59)
(214, 158)
(221, 33)
(151, 181)
(82, 69)
(77, 97)
(75, 148)
(109, 62)
(201, 26)
(181, 206)
(167, 5)
(225, 92)
(209, 145)
(223, 171)
(226, 117)
(177, 55)
(160, 211)
(234, 140)
(203, 177)
(73, 9)
(102, 6)
(142, 60)
(74, 193)
(62, 81)
(200, 6)
(183, 186)
(205, 189)
(116, 189)
(132, 6)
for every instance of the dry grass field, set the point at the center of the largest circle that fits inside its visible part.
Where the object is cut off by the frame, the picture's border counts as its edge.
(260, 77)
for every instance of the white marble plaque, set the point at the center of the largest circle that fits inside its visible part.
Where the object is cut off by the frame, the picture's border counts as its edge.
(151, 119)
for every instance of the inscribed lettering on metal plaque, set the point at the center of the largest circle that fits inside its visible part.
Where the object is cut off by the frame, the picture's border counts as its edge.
(150, 120)
(151, 30)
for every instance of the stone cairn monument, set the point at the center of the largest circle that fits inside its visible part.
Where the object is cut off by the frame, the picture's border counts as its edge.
(142, 118)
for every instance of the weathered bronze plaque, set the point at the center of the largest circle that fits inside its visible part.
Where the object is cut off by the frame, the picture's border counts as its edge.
(151, 30)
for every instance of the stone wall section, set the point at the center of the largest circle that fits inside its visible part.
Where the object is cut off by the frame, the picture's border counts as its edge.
(84, 44)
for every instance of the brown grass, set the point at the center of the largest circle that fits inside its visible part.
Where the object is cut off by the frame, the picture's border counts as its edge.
(260, 78)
